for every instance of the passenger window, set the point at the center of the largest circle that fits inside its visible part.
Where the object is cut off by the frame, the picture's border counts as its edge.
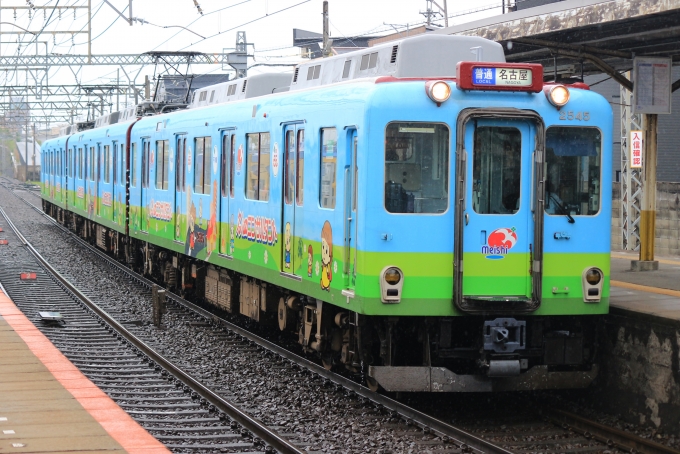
(224, 174)
(179, 165)
(133, 163)
(300, 168)
(81, 164)
(107, 155)
(329, 158)
(257, 167)
(416, 168)
(145, 164)
(202, 146)
(573, 167)
(93, 160)
(116, 163)
(231, 165)
(162, 164)
(288, 183)
(497, 169)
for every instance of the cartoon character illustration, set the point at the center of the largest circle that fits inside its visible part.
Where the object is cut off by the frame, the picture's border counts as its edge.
(91, 202)
(287, 244)
(326, 256)
(212, 223)
(310, 260)
(190, 242)
(232, 235)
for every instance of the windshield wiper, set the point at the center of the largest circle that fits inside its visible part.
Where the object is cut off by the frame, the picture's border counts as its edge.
(563, 209)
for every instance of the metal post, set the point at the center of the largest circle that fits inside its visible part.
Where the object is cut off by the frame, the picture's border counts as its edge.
(326, 45)
(89, 32)
(648, 213)
(33, 149)
(446, 14)
(147, 88)
(118, 87)
(631, 179)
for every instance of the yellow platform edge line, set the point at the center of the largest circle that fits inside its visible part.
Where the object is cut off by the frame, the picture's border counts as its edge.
(632, 257)
(645, 288)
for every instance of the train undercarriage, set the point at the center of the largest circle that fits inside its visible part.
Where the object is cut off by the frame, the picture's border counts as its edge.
(490, 352)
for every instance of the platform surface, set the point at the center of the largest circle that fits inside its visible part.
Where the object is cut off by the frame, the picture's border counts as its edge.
(47, 405)
(654, 293)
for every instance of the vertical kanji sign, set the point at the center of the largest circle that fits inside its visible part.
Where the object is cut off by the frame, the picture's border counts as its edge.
(636, 149)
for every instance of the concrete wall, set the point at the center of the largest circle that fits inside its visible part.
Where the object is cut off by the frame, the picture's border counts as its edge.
(667, 240)
(640, 377)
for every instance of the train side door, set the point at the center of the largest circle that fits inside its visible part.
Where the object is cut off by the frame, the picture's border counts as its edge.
(180, 187)
(497, 222)
(225, 238)
(351, 197)
(146, 164)
(293, 257)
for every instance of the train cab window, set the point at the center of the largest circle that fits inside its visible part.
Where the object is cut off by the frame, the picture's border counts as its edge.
(133, 163)
(202, 147)
(257, 167)
(329, 158)
(416, 167)
(573, 169)
(497, 168)
(162, 163)
(106, 166)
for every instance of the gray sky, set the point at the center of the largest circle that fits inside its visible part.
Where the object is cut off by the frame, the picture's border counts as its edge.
(268, 24)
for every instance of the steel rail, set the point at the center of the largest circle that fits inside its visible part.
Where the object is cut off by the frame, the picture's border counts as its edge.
(259, 429)
(611, 436)
(426, 422)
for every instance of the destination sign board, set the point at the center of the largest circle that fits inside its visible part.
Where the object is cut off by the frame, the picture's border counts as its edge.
(508, 77)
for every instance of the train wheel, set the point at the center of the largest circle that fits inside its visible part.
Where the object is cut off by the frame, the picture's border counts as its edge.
(327, 360)
(372, 384)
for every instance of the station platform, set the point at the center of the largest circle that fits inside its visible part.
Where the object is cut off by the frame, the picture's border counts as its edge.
(654, 293)
(47, 405)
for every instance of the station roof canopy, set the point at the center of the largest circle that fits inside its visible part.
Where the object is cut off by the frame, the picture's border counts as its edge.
(589, 36)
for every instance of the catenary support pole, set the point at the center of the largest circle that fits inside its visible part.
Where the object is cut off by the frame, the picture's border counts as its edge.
(648, 212)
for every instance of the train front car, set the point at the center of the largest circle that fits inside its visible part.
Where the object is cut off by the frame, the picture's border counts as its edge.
(486, 229)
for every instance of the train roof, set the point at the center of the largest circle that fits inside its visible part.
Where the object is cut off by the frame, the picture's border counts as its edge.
(235, 90)
(427, 56)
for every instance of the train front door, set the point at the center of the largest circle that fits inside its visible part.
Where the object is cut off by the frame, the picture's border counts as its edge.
(295, 260)
(350, 230)
(495, 231)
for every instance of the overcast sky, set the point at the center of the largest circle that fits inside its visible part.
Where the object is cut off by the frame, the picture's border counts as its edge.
(268, 24)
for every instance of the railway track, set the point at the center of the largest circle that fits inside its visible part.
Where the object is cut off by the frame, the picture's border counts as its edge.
(555, 431)
(415, 430)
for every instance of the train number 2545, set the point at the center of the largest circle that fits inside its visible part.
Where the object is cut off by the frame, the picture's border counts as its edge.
(571, 115)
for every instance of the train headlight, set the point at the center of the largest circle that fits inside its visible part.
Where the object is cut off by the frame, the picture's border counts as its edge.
(558, 95)
(593, 276)
(391, 284)
(392, 276)
(592, 280)
(438, 91)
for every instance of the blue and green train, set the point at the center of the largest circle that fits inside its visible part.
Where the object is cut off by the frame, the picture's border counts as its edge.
(430, 223)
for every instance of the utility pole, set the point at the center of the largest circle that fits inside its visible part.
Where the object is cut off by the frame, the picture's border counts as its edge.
(33, 149)
(118, 90)
(648, 212)
(326, 35)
